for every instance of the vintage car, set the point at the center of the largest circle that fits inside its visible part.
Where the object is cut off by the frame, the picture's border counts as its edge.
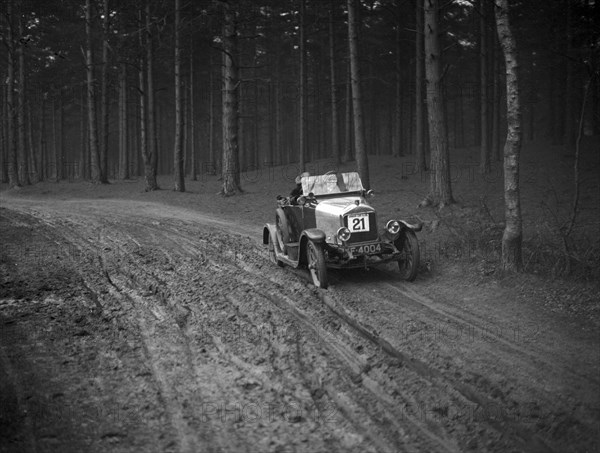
(331, 225)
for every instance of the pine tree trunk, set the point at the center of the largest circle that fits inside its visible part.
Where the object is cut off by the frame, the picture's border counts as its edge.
(151, 159)
(104, 98)
(22, 149)
(495, 151)
(362, 161)
(123, 133)
(42, 137)
(212, 167)
(512, 237)
(4, 150)
(440, 187)
(91, 101)
(83, 152)
(302, 88)
(335, 127)
(192, 120)
(348, 131)
(13, 174)
(419, 79)
(230, 165)
(484, 159)
(33, 165)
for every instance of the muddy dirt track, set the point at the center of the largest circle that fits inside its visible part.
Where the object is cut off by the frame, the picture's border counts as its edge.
(128, 326)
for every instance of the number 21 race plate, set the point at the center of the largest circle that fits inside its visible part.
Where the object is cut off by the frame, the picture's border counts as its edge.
(358, 222)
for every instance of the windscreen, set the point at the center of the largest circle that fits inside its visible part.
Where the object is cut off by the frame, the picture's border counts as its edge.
(333, 183)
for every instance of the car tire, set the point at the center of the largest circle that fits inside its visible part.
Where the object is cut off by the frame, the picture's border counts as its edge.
(282, 230)
(315, 261)
(409, 246)
(272, 254)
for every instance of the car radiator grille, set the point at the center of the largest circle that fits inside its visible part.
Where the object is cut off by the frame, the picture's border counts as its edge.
(364, 236)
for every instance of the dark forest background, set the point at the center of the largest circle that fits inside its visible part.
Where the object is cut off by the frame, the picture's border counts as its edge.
(46, 118)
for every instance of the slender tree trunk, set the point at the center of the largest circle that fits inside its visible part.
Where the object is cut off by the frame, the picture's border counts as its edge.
(496, 105)
(178, 158)
(55, 172)
(83, 153)
(513, 234)
(123, 132)
(4, 150)
(484, 159)
(192, 120)
(91, 91)
(396, 129)
(212, 155)
(33, 165)
(335, 127)
(419, 79)
(348, 142)
(278, 121)
(22, 150)
(440, 187)
(13, 174)
(104, 97)
(362, 161)
(569, 108)
(61, 137)
(150, 145)
(231, 166)
(42, 137)
(302, 85)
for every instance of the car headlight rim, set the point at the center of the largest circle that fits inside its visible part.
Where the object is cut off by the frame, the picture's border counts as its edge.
(343, 234)
(393, 227)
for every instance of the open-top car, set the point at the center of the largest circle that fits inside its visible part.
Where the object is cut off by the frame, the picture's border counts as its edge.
(332, 225)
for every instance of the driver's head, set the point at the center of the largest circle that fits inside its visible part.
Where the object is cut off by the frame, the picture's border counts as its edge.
(303, 175)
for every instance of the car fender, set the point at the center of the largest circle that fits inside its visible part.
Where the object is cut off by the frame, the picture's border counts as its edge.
(410, 226)
(268, 233)
(311, 234)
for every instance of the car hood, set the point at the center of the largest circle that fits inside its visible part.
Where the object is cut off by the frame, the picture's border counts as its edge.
(343, 205)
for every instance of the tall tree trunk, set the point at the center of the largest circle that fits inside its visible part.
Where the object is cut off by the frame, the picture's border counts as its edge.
(335, 127)
(151, 166)
(569, 107)
(192, 120)
(61, 137)
(22, 150)
(362, 160)
(495, 151)
(179, 176)
(104, 97)
(42, 137)
(348, 132)
(4, 150)
(213, 167)
(91, 91)
(231, 166)
(13, 174)
(419, 79)
(440, 186)
(33, 165)
(56, 160)
(302, 86)
(84, 152)
(484, 156)
(123, 133)
(513, 234)
(396, 128)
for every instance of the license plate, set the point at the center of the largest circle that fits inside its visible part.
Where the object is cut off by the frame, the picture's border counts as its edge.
(368, 249)
(358, 222)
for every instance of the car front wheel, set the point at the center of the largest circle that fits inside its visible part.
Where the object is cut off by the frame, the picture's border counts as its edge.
(315, 259)
(272, 254)
(409, 263)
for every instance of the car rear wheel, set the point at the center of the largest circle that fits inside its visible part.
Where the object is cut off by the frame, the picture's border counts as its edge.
(409, 263)
(315, 260)
(282, 230)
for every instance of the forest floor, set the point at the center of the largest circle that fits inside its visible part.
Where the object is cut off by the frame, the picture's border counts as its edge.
(133, 321)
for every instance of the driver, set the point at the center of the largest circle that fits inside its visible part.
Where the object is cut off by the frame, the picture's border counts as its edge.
(297, 191)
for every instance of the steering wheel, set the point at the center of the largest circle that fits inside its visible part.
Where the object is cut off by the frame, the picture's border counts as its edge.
(330, 172)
